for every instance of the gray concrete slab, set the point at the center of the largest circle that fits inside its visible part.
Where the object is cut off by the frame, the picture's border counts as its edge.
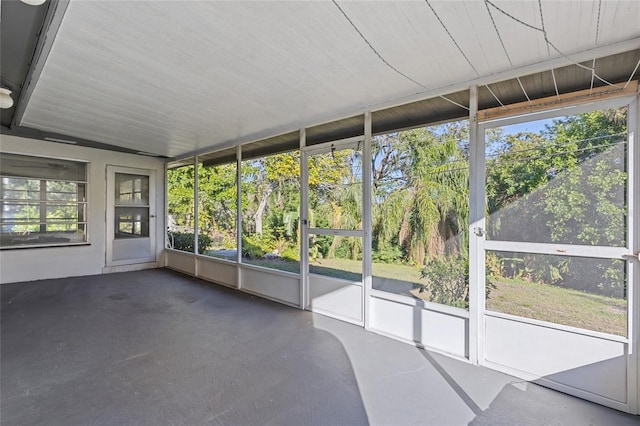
(156, 347)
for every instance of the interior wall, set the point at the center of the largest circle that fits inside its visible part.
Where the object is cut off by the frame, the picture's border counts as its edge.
(25, 264)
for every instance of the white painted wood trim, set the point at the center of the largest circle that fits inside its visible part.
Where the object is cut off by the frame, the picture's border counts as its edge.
(337, 280)
(560, 327)
(270, 271)
(557, 249)
(633, 270)
(570, 390)
(420, 345)
(273, 299)
(304, 222)
(476, 220)
(367, 220)
(337, 145)
(339, 232)
(215, 259)
(424, 304)
(239, 213)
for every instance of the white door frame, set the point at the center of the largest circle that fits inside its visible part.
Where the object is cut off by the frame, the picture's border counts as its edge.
(305, 153)
(480, 245)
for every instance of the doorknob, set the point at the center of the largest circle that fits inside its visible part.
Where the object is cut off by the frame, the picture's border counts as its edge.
(152, 216)
(632, 256)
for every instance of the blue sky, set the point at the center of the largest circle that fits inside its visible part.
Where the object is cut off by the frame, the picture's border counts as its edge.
(530, 126)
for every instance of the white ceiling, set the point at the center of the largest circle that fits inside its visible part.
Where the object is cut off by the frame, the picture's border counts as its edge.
(172, 78)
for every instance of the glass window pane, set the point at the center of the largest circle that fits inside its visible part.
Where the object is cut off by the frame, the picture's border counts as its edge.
(131, 222)
(580, 292)
(420, 185)
(217, 211)
(64, 191)
(565, 177)
(131, 189)
(20, 189)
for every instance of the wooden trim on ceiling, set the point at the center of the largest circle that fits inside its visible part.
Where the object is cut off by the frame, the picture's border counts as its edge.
(566, 99)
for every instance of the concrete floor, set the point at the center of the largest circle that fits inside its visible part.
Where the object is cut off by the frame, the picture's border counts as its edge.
(155, 347)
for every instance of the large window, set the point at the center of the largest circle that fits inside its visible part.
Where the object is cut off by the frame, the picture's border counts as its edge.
(43, 201)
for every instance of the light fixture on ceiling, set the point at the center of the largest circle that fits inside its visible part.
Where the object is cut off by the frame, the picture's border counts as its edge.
(33, 2)
(6, 101)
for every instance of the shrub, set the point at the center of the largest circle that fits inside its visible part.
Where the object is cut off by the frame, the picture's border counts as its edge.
(255, 246)
(388, 254)
(184, 241)
(448, 281)
(291, 253)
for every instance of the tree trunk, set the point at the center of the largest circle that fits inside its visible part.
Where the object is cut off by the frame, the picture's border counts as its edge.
(263, 204)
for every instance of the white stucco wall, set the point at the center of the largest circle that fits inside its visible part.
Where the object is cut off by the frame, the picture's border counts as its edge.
(27, 264)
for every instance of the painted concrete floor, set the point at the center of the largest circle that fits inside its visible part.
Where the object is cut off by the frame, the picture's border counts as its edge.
(156, 347)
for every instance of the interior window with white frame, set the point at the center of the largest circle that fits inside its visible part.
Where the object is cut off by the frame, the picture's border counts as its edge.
(43, 201)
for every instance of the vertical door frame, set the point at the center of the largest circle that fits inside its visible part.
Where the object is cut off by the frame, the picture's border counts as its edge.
(479, 245)
(305, 224)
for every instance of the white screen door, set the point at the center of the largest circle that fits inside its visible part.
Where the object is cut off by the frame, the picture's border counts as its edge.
(333, 229)
(559, 239)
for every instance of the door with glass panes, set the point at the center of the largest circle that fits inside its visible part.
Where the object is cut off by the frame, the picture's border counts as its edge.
(130, 216)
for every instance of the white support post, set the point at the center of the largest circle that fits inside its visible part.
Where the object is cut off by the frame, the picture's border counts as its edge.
(239, 213)
(633, 270)
(367, 239)
(303, 221)
(166, 215)
(476, 226)
(196, 231)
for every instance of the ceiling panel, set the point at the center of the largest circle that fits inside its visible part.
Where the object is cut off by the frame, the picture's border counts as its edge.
(175, 77)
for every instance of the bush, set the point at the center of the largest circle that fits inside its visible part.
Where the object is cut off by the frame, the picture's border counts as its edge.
(448, 281)
(255, 246)
(388, 254)
(291, 253)
(184, 241)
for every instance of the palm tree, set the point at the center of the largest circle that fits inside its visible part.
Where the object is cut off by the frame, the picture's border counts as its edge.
(424, 203)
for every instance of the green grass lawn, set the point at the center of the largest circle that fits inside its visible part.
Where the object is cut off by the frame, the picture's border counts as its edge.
(559, 305)
(511, 296)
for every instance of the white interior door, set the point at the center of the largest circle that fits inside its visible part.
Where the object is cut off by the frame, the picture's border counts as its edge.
(333, 267)
(560, 276)
(131, 216)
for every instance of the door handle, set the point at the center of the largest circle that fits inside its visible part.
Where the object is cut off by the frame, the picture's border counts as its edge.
(152, 215)
(478, 231)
